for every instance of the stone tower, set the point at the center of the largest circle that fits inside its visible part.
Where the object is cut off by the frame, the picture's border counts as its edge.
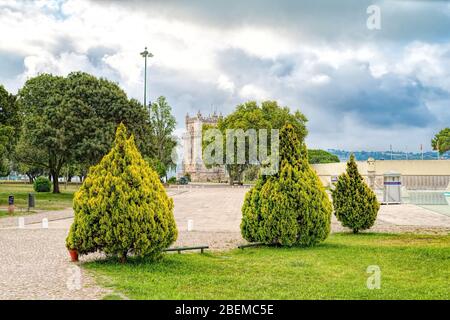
(192, 159)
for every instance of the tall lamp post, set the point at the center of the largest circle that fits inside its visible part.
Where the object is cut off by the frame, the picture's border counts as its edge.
(145, 54)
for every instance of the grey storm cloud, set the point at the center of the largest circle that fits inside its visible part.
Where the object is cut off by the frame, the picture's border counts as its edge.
(387, 101)
(384, 102)
(319, 20)
(339, 93)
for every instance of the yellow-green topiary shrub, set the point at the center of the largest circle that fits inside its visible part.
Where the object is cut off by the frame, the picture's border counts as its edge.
(122, 207)
(355, 204)
(290, 207)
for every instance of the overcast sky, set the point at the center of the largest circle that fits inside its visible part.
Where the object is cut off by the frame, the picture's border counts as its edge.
(359, 88)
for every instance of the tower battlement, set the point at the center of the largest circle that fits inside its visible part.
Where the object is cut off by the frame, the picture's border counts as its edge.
(209, 119)
(192, 160)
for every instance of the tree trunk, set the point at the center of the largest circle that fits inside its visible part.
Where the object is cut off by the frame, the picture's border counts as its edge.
(231, 178)
(55, 177)
(30, 178)
(123, 257)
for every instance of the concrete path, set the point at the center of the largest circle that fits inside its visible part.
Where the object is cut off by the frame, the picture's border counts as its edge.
(34, 263)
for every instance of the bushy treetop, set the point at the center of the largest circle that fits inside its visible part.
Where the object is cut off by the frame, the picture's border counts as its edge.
(122, 207)
(290, 207)
(355, 204)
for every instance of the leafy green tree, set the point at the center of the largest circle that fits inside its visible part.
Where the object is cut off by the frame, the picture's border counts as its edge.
(122, 207)
(31, 172)
(290, 207)
(72, 120)
(269, 115)
(441, 142)
(10, 115)
(9, 129)
(163, 125)
(321, 156)
(355, 204)
(157, 166)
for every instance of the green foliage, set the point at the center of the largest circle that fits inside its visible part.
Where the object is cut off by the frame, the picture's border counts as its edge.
(9, 114)
(355, 204)
(321, 156)
(251, 174)
(269, 115)
(6, 133)
(157, 166)
(441, 142)
(163, 124)
(290, 207)
(42, 184)
(72, 120)
(9, 129)
(30, 171)
(172, 180)
(122, 207)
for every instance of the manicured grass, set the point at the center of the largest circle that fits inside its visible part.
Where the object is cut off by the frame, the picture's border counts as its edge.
(44, 200)
(412, 267)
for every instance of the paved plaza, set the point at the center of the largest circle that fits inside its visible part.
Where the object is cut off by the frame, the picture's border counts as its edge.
(34, 262)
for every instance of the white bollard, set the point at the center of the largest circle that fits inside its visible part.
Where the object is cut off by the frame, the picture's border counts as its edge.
(45, 223)
(21, 222)
(190, 225)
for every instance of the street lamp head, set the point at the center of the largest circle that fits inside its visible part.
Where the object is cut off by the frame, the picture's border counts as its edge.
(146, 53)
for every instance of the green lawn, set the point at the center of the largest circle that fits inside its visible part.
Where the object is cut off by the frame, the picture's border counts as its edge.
(412, 267)
(44, 201)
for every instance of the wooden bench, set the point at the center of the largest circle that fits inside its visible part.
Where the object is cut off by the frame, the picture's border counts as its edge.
(179, 249)
(249, 245)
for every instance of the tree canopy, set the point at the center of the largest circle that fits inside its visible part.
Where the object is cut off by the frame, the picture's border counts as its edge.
(321, 156)
(73, 119)
(269, 115)
(441, 142)
(162, 125)
(9, 128)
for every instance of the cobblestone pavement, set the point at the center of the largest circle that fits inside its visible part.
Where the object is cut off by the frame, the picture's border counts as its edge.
(34, 262)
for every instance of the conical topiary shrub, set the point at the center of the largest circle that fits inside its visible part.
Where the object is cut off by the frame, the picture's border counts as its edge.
(122, 207)
(290, 207)
(355, 204)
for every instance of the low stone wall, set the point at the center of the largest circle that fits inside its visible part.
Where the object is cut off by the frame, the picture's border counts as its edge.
(416, 174)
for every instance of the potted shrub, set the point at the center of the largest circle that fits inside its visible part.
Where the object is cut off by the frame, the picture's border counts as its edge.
(73, 252)
(122, 207)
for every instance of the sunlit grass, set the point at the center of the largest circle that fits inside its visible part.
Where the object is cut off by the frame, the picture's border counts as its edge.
(412, 267)
(44, 200)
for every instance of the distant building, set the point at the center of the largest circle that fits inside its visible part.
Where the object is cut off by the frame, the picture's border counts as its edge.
(192, 159)
(415, 174)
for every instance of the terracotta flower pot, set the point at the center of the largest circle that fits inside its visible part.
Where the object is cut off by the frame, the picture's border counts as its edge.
(73, 255)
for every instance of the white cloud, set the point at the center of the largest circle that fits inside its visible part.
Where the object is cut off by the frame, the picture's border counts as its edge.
(105, 39)
(225, 84)
(320, 79)
(253, 92)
